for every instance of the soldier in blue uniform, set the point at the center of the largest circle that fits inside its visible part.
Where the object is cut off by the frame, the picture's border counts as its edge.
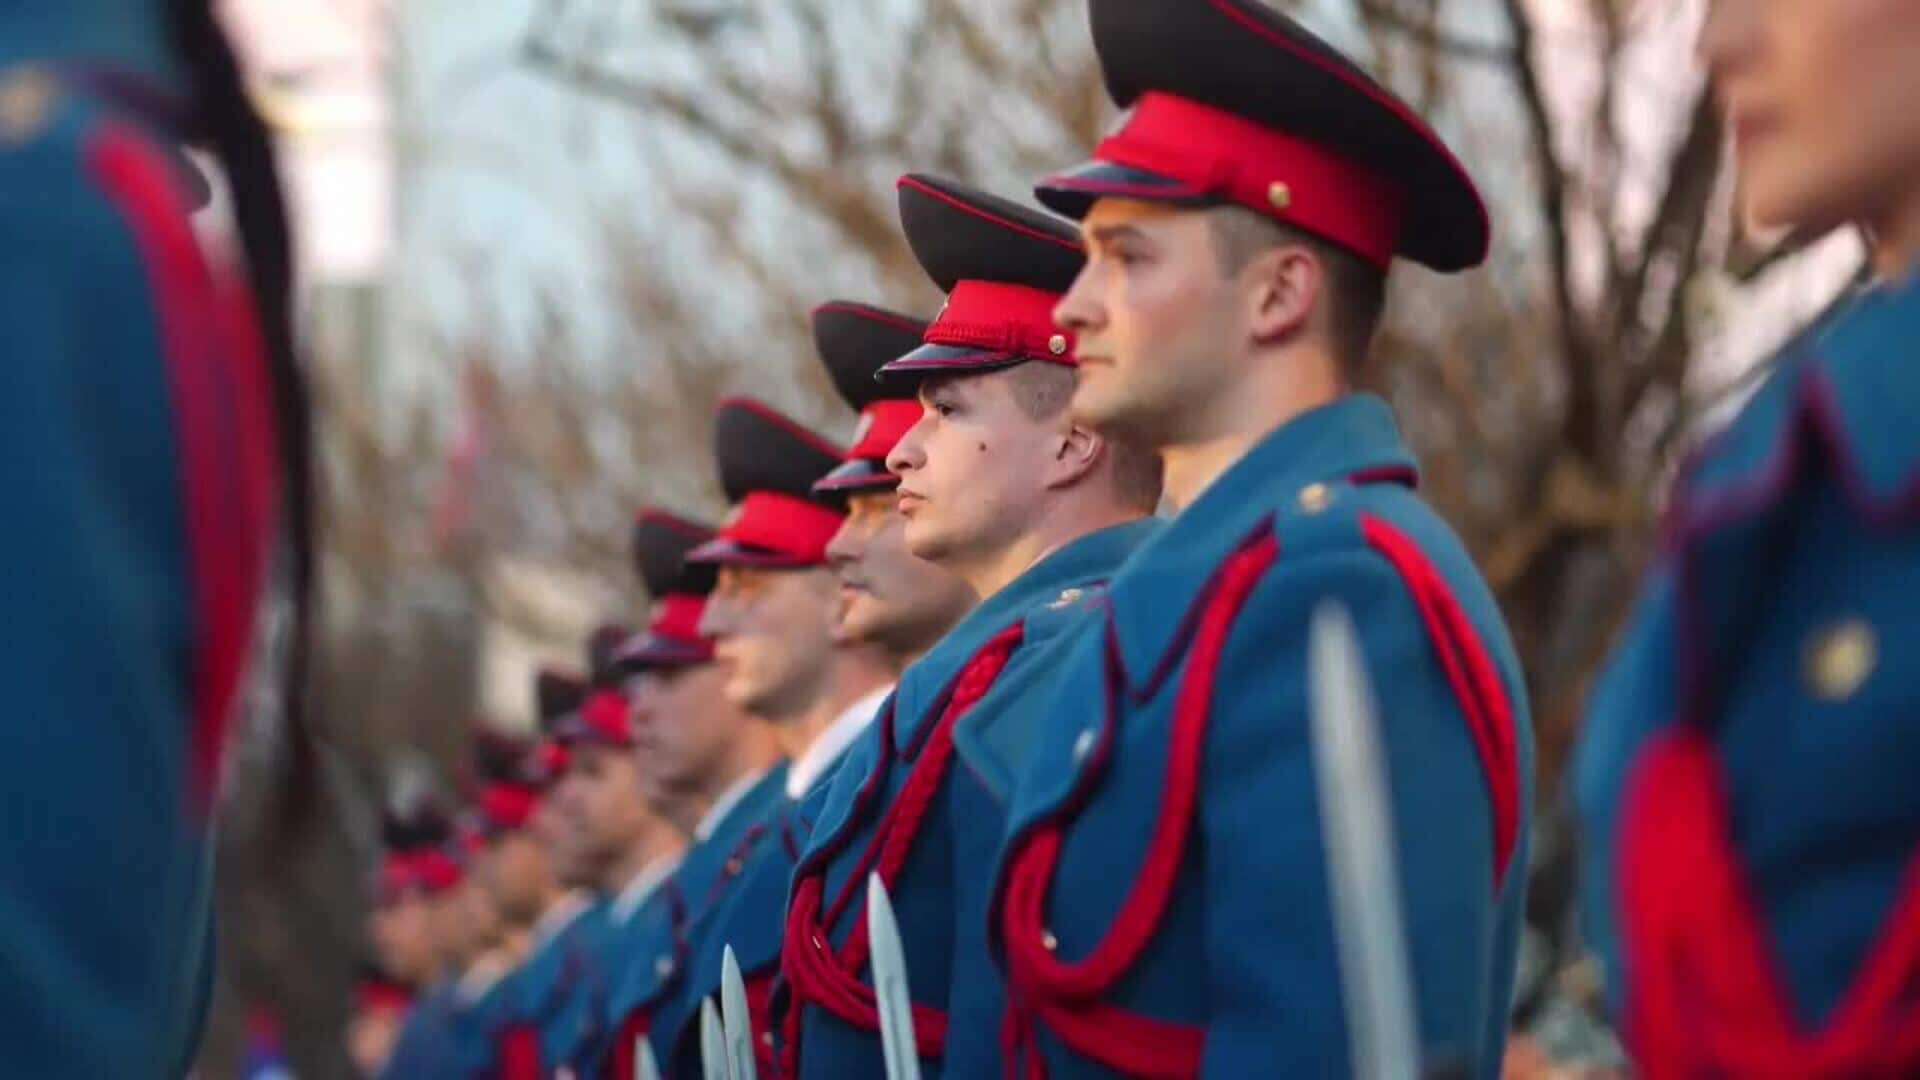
(772, 616)
(1162, 906)
(707, 765)
(1034, 512)
(380, 1006)
(418, 880)
(629, 852)
(512, 865)
(155, 426)
(1746, 779)
(536, 998)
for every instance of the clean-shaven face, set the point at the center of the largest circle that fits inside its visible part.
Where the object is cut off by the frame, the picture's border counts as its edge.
(888, 594)
(773, 629)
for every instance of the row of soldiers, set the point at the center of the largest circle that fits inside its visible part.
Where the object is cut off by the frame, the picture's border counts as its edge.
(1037, 667)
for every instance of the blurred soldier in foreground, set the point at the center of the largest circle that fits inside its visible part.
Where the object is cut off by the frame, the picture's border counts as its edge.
(1747, 775)
(156, 428)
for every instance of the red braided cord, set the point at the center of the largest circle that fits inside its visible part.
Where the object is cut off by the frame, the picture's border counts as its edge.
(1062, 993)
(830, 979)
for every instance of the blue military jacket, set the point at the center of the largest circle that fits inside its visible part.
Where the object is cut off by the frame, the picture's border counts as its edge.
(1777, 636)
(134, 551)
(750, 917)
(588, 1030)
(655, 954)
(864, 788)
(1141, 932)
(426, 1046)
(557, 985)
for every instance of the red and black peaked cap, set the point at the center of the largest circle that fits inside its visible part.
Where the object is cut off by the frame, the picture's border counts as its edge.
(510, 779)
(1003, 267)
(855, 341)
(768, 464)
(556, 694)
(1232, 102)
(679, 590)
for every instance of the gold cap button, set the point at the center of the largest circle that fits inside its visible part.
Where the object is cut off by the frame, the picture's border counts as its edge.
(1279, 195)
(1315, 497)
(1840, 658)
(1057, 344)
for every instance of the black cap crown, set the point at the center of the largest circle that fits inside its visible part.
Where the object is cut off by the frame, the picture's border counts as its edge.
(856, 340)
(960, 233)
(660, 544)
(758, 449)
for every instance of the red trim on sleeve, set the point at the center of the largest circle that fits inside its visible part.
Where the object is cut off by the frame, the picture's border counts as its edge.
(1476, 682)
(229, 481)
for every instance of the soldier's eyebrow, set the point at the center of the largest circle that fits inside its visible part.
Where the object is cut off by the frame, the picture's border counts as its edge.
(1106, 235)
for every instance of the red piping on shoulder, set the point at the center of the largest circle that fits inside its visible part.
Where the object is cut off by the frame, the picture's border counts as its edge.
(1476, 681)
(215, 364)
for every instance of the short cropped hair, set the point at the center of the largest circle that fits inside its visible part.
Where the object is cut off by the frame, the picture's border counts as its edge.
(1043, 391)
(1356, 289)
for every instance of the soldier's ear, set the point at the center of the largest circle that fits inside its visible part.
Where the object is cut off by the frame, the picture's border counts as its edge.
(1284, 284)
(1075, 456)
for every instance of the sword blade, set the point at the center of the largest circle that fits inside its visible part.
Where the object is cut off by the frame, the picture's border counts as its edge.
(1362, 871)
(646, 1066)
(736, 1020)
(897, 1044)
(713, 1044)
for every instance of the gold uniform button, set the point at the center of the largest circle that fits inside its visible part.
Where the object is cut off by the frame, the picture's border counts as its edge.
(1057, 344)
(663, 966)
(1840, 659)
(1048, 941)
(1279, 195)
(1315, 498)
(1066, 599)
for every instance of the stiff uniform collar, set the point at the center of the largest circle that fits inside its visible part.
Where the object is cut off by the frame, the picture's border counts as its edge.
(1352, 439)
(724, 805)
(819, 758)
(1059, 577)
(1847, 382)
(642, 887)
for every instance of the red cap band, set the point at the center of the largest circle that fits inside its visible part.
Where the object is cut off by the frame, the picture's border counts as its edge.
(993, 316)
(605, 718)
(882, 425)
(552, 761)
(1217, 153)
(506, 807)
(780, 530)
(381, 996)
(428, 871)
(677, 616)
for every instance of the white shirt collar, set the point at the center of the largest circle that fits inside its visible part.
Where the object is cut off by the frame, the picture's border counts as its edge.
(481, 976)
(558, 916)
(725, 804)
(643, 885)
(813, 763)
